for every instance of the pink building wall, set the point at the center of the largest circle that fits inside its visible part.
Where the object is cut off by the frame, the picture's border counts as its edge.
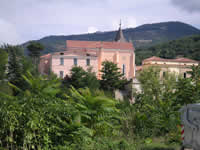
(69, 63)
(120, 58)
(97, 52)
(44, 65)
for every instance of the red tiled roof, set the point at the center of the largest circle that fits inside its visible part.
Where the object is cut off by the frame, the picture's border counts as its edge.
(154, 58)
(45, 56)
(99, 44)
(186, 60)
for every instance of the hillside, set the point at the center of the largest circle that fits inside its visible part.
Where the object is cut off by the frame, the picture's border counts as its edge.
(187, 47)
(142, 36)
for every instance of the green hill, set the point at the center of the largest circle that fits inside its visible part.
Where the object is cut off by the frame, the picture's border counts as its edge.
(187, 47)
(142, 36)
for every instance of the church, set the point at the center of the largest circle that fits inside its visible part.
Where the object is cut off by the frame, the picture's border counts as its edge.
(91, 54)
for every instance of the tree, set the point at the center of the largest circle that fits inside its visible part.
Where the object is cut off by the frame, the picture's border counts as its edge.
(156, 104)
(150, 83)
(185, 92)
(15, 68)
(98, 113)
(195, 83)
(195, 73)
(187, 47)
(37, 118)
(17, 65)
(3, 63)
(111, 77)
(35, 49)
(79, 78)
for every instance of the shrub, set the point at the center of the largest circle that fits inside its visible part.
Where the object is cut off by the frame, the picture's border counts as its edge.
(79, 78)
(157, 147)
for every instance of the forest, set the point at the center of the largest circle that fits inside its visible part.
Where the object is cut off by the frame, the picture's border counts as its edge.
(79, 112)
(186, 47)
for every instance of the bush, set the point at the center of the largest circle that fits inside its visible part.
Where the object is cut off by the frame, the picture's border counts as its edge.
(79, 78)
(112, 144)
(157, 147)
(37, 118)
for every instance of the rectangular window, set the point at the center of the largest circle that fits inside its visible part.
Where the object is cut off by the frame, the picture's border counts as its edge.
(75, 62)
(163, 74)
(123, 69)
(61, 61)
(88, 62)
(185, 75)
(61, 74)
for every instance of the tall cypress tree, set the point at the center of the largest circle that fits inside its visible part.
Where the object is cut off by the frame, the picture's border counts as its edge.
(15, 68)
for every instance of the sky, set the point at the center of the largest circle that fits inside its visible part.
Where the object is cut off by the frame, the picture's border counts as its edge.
(24, 20)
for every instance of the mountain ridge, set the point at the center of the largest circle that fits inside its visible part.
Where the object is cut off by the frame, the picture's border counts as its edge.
(145, 35)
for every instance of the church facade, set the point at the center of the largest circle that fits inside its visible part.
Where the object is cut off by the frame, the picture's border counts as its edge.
(88, 54)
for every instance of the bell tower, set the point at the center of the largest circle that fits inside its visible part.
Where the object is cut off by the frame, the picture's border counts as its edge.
(120, 36)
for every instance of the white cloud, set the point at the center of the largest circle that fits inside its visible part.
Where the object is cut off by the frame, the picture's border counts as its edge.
(34, 19)
(131, 22)
(8, 33)
(92, 29)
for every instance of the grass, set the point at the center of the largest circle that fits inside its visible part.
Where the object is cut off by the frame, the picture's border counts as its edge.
(159, 146)
(131, 143)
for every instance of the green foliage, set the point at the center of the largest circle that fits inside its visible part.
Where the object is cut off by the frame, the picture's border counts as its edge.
(129, 122)
(174, 137)
(43, 115)
(186, 47)
(195, 73)
(103, 143)
(3, 62)
(111, 77)
(157, 147)
(35, 49)
(16, 66)
(188, 90)
(98, 113)
(25, 123)
(150, 83)
(185, 92)
(156, 109)
(156, 105)
(79, 78)
(5, 88)
(37, 118)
